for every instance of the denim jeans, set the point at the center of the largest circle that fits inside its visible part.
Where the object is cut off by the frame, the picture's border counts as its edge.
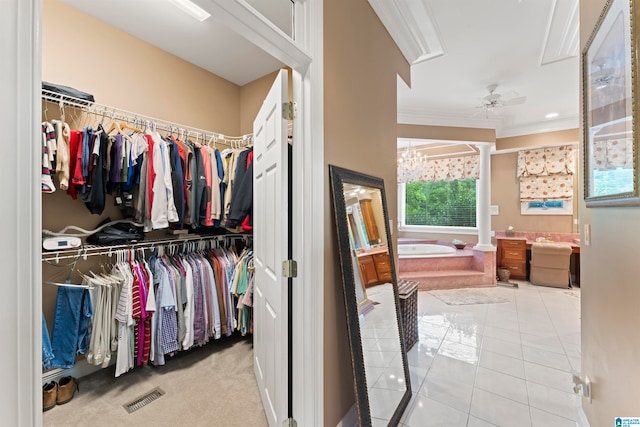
(47, 352)
(71, 326)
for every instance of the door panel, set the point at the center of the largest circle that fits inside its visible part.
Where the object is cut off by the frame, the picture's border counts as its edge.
(270, 217)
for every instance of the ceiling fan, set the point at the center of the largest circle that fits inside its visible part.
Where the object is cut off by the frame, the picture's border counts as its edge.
(495, 101)
(603, 76)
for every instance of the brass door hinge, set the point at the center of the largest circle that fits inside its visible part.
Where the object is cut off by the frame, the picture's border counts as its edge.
(289, 268)
(289, 110)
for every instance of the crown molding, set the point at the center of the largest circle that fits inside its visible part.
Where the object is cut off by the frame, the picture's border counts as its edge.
(571, 122)
(431, 117)
(412, 27)
(562, 40)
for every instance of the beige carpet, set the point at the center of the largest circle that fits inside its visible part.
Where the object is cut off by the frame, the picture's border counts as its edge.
(468, 296)
(210, 386)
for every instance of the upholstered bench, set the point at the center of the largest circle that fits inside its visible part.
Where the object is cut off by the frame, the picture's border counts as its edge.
(550, 264)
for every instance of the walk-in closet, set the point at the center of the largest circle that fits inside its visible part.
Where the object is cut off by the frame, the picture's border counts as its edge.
(152, 313)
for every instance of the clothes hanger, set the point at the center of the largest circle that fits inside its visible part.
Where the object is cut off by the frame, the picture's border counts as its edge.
(67, 283)
(114, 124)
(125, 125)
(62, 115)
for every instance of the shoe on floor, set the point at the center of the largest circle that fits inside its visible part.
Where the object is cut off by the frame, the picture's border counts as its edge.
(66, 389)
(49, 395)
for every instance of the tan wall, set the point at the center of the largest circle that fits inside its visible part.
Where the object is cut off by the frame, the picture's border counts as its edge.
(446, 133)
(505, 188)
(538, 139)
(610, 292)
(505, 192)
(251, 97)
(134, 75)
(361, 63)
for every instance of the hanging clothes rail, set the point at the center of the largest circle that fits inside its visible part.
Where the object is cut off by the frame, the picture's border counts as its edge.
(93, 250)
(139, 120)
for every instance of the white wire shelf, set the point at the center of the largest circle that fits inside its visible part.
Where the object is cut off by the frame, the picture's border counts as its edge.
(85, 251)
(142, 121)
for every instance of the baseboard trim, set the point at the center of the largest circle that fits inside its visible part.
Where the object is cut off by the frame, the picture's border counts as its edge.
(82, 368)
(582, 418)
(350, 419)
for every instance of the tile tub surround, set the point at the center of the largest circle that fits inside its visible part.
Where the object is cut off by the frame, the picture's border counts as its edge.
(462, 269)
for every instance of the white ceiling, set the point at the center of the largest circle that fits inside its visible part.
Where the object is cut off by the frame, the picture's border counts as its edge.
(209, 44)
(459, 47)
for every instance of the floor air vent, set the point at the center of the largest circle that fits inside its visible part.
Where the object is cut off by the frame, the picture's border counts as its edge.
(143, 400)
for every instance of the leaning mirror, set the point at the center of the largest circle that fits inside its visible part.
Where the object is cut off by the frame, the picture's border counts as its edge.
(378, 351)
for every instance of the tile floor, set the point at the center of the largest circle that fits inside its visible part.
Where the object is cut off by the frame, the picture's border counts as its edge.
(504, 364)
(381, 354)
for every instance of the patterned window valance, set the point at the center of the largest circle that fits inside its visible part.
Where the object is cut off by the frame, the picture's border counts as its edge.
(454, 168)
(553, 187)
(612, 154)
(546, 161)
(546, 174)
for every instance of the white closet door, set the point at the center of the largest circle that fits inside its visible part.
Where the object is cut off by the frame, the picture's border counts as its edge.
(270, 240)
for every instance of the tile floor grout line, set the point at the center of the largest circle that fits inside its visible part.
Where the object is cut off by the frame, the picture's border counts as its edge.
(518, 306)
(522, 350)
(555, 329)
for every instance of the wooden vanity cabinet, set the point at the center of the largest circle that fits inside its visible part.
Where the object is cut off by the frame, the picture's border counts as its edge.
(383, 268)
(375, 269)
(369, 220)
(512, 254)
(368, 270)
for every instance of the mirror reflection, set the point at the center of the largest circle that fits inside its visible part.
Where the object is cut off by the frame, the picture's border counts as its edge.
(371, 298)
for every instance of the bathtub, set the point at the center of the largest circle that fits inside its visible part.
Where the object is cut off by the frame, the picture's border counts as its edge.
(423, 250)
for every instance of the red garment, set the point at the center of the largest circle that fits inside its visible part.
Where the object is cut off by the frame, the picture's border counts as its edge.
(75, 166)
(147, 320)
(136, 312)
(151, 173)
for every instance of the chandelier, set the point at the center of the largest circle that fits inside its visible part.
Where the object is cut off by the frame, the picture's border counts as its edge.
(410, 165)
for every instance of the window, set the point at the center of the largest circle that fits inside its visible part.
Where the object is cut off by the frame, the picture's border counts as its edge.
(549, 207)
(439, 204)
(612, 181)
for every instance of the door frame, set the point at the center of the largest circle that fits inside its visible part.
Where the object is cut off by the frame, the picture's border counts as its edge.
(20, 256)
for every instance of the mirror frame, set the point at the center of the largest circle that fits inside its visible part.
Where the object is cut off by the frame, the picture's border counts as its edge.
(340, 176)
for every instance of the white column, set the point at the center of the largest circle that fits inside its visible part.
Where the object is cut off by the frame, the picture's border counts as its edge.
(484, 200)
(21, 302)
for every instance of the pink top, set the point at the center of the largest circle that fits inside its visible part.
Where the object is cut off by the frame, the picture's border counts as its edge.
(207, 174)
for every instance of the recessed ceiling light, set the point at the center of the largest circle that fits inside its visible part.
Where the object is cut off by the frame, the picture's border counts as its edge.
(551, 116)
(191, 8)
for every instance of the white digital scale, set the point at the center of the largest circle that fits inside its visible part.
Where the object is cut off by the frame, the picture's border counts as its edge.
(60, 242)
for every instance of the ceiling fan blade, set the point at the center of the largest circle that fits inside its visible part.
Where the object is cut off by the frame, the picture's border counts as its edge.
(514, 101)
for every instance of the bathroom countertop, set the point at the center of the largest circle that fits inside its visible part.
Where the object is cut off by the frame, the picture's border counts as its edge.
(373, 251)
(570, 239)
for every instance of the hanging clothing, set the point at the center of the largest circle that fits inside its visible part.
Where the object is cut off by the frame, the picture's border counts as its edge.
(47, 351)
(71, 326)
(63, 133)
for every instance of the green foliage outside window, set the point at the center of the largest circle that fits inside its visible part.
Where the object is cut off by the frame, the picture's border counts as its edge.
(613, 181)
(442, 203)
